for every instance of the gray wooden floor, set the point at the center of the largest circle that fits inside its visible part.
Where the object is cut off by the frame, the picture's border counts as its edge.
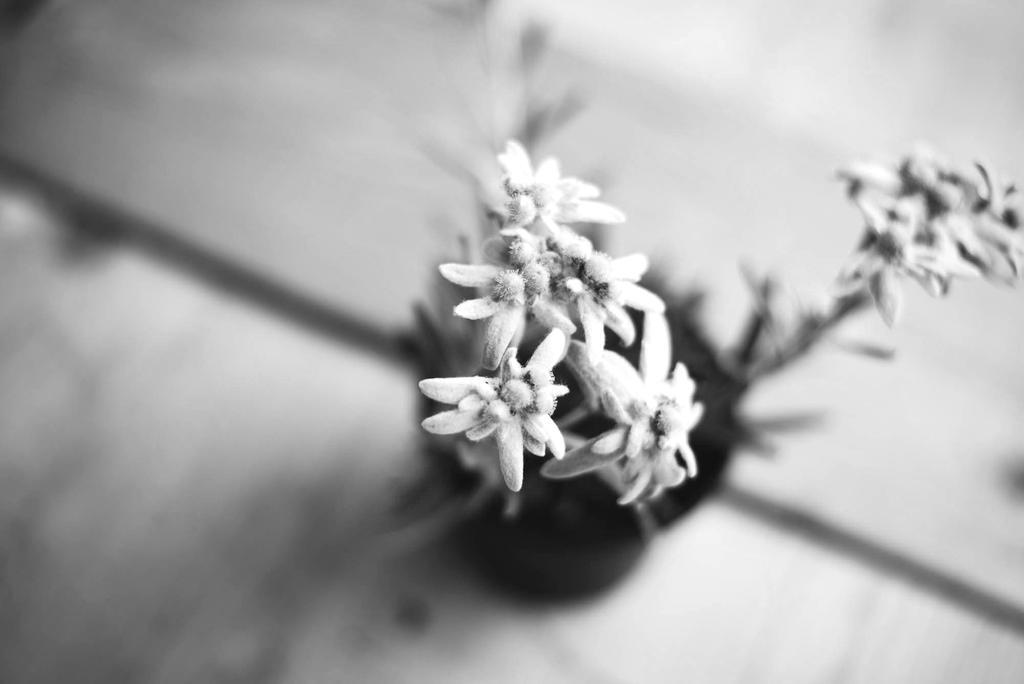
(193, 490)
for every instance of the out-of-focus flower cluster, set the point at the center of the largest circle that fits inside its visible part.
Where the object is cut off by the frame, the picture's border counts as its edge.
(934, 222)
(537, 271)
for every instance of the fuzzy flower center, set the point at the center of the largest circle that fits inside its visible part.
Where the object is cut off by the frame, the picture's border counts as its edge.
(521, 209)
(508, 286)
(537, 280)
(522, 252)
(517, 394)
(668, 419)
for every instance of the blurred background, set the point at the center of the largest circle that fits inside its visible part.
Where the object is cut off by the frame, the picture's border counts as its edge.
(197, 489)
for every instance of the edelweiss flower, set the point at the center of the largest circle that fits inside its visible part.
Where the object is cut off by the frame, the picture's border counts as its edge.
(898, 242)
(515, 407)
(600, 287)
(545, 195)
(654, 410)
(521, 284)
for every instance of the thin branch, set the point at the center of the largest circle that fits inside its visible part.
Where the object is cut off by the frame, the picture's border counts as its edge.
(811, 331)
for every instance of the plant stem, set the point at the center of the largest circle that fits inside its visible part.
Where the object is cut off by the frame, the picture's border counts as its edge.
(812, 329)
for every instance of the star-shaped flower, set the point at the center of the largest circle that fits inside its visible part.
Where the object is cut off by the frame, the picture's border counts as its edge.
(601, 287)
(899, 242)
(544, 194)
(654, 411)
(519, 285)
(515, 407)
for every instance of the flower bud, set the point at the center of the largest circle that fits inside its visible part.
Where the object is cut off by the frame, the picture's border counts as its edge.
(521, 252)
(508, 286)
(537, 280)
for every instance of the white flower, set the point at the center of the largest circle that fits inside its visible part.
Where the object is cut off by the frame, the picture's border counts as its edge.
(551, 278)
(521, 284)
(900, 242)
(545, 195)
(654, 410)
(601, 287)
(515, 407)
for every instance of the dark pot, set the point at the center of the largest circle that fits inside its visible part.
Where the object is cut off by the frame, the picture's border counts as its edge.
(571, 540)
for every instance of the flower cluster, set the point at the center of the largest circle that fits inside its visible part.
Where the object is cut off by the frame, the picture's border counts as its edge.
(541, 269)
(536, 270)
(933, 222)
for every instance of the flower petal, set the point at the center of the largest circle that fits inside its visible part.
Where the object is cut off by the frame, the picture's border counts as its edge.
(682, 384)
(577, 462)
(619, 375)
(885, 290)
(655, 350)
(548, 172)
(554, 230)
(453, 390)
(588, 211)
(586, 373)
(550, 351)
(576, 189)
(643, 478)
(620, 323)
(510, 454)
(515, 162)
(475, 309)
(696, 413)
(872, 174)
(451, 422)
(635, 440)
(610, 442)
(614, 408)
(632, 295)
(630, 267)
(469, 275)
(551, 316)
(500, 331)
(481, 430)
(535, 446)
(592, 320)
(689, 458)
(667, 472)
(553, 436)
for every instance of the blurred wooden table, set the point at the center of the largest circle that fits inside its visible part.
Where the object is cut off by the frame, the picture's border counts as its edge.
(188, 487)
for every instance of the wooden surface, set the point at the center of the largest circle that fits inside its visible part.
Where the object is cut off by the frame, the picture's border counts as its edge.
(193, 490)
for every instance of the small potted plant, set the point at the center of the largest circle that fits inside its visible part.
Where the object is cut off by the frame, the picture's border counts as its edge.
(586, 407)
